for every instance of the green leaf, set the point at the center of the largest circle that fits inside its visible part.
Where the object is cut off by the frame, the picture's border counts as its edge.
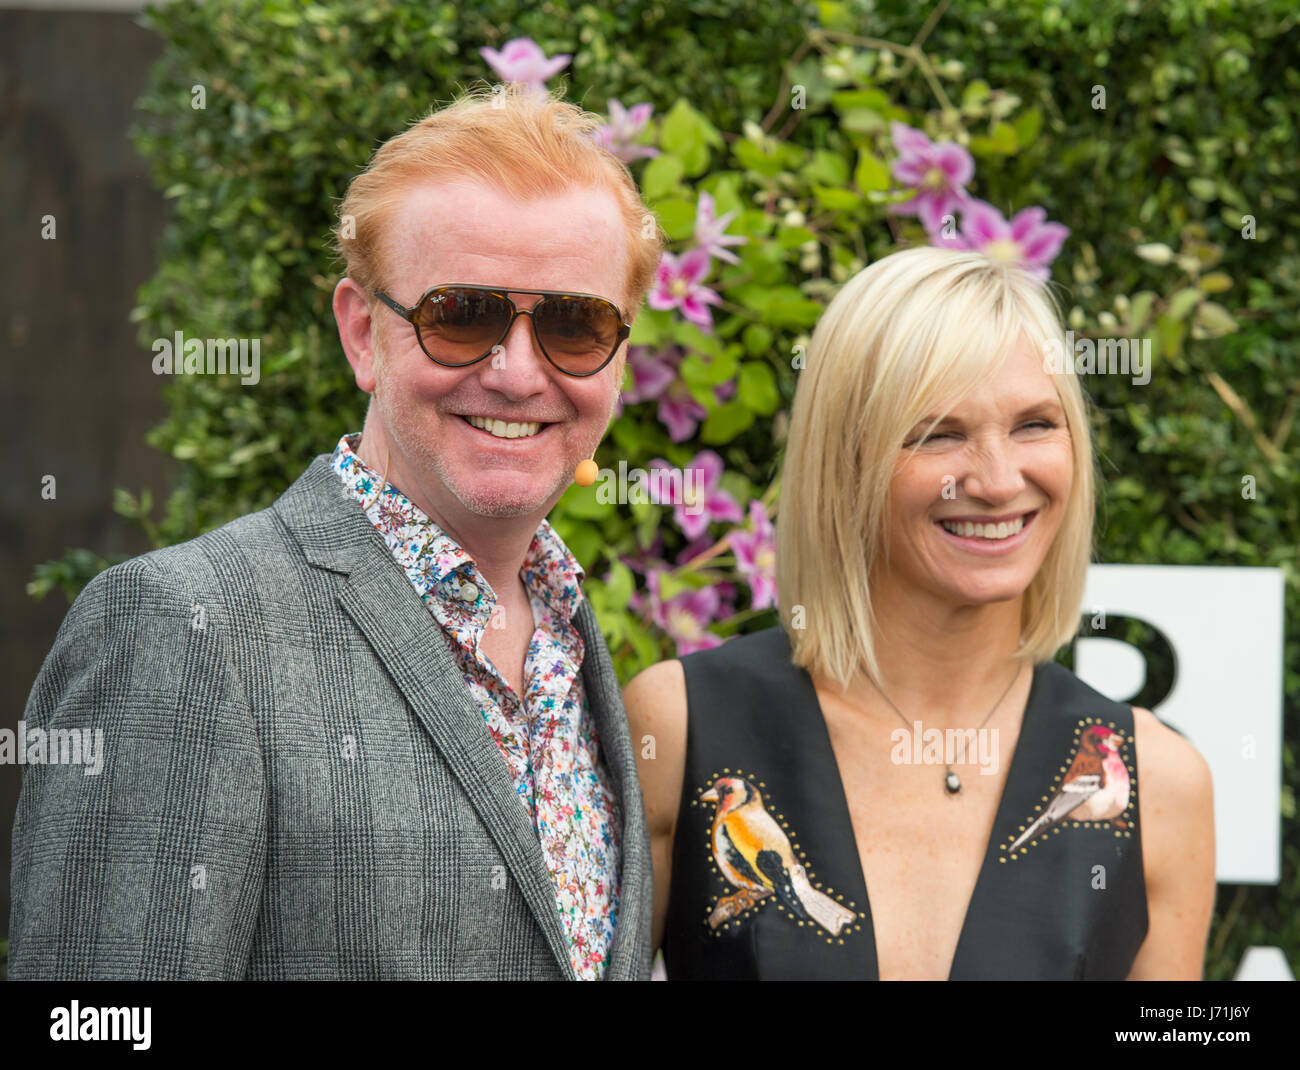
(700, 372)
(661, 176)
(974, 95)
(870, 174)
(651, 327)
(860, 99)
(756, 389)
(837, 200)
(694, 371)
(1155, 253)
(687, 134)
(722, 188)
(752, 158)
(1027, 126)
(1214, 317)
(620, 585)
(862, 121)
(1001, 141)
(124, 503)
(245, 453)
(791, 312)
(757, 339)
(648, 520)
(1216, 282)
(585, 542)
(1183, 302)
(677, 217)
(1169, 333)
(793, 237)
(681, 130)
(581, 502)
(826, 169)
(726, 422)
(671, 585)
(1140, 309)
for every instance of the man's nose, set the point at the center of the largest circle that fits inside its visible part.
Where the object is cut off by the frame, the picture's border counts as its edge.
(517, 367)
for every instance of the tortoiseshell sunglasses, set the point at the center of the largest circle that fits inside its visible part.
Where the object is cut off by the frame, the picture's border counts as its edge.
(458, 325)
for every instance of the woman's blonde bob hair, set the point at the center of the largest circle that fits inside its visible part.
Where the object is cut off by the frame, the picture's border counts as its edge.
(908, 337)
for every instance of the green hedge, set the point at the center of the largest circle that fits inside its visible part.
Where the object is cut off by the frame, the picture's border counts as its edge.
(1199, 131)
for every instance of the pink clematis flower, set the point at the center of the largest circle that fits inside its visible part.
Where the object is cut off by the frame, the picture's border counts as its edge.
(679, 284)
(680, 413)
(698, 502)
(522, 60)
(625, 125)
(655, 378)
(685, 617)
(710, 231)
(695, 547)
(938, 174)
(652, 372)
(1027, 241)
(756, 555)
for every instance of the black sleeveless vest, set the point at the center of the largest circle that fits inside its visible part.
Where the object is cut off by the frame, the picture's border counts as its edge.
(766, 879)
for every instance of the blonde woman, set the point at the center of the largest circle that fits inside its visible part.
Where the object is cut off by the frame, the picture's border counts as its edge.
(898, 781)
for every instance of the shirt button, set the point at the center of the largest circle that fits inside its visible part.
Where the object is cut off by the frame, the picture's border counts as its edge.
(468, 592)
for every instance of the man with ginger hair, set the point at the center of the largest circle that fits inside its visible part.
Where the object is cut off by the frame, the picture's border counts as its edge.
(374, 731)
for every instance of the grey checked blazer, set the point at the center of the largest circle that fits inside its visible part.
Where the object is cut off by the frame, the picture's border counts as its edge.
(296, 783)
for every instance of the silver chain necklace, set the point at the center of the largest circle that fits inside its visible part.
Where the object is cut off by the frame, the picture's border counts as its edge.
(951, 781)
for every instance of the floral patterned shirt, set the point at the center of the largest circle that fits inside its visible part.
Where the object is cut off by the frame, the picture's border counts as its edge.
(547, 736)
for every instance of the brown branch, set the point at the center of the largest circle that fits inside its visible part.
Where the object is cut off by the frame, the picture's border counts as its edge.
(1283, 429)
(907, 51)
(1243, 412)
(783, 94)
(930, 23)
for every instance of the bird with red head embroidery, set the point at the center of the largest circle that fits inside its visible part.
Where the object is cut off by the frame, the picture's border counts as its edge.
(1096, 786)
(755, 855)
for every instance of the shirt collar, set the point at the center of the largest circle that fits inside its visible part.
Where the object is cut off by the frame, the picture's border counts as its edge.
(549, 569)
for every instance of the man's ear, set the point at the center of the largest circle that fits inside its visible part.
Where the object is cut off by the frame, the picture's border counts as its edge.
(356, 326)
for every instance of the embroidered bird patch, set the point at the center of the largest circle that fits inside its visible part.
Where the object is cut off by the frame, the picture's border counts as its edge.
(755, 856)
(1097, 786)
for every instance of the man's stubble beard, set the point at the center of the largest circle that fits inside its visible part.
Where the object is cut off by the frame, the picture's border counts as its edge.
(402, 423)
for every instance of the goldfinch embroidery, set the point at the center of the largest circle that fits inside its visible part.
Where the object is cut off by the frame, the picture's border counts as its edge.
(1096, 787)
(756, 857)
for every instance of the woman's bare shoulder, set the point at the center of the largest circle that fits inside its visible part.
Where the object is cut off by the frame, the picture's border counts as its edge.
(1172, 770)
(656, 696)
(655, 700)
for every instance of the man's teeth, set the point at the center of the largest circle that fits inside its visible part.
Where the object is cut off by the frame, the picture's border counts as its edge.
(984, 531)
(501, 429)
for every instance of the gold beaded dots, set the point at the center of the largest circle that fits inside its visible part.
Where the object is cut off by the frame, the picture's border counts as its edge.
(721, 880)
(1123, 820)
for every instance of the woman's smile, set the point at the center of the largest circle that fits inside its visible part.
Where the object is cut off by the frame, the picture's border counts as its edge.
(989, 536)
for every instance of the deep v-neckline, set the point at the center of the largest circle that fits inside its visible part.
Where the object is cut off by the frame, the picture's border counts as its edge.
(990, 848)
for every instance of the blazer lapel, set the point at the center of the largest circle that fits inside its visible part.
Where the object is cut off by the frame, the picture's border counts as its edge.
(618, 750)
(335, 534)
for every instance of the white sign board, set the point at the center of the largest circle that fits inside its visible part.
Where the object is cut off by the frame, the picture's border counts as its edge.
(1225, 627)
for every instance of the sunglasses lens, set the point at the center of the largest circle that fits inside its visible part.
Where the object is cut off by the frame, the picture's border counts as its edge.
(578, 333)
(459, 326)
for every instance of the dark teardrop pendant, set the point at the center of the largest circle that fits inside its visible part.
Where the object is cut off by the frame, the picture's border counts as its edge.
(952, 782)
